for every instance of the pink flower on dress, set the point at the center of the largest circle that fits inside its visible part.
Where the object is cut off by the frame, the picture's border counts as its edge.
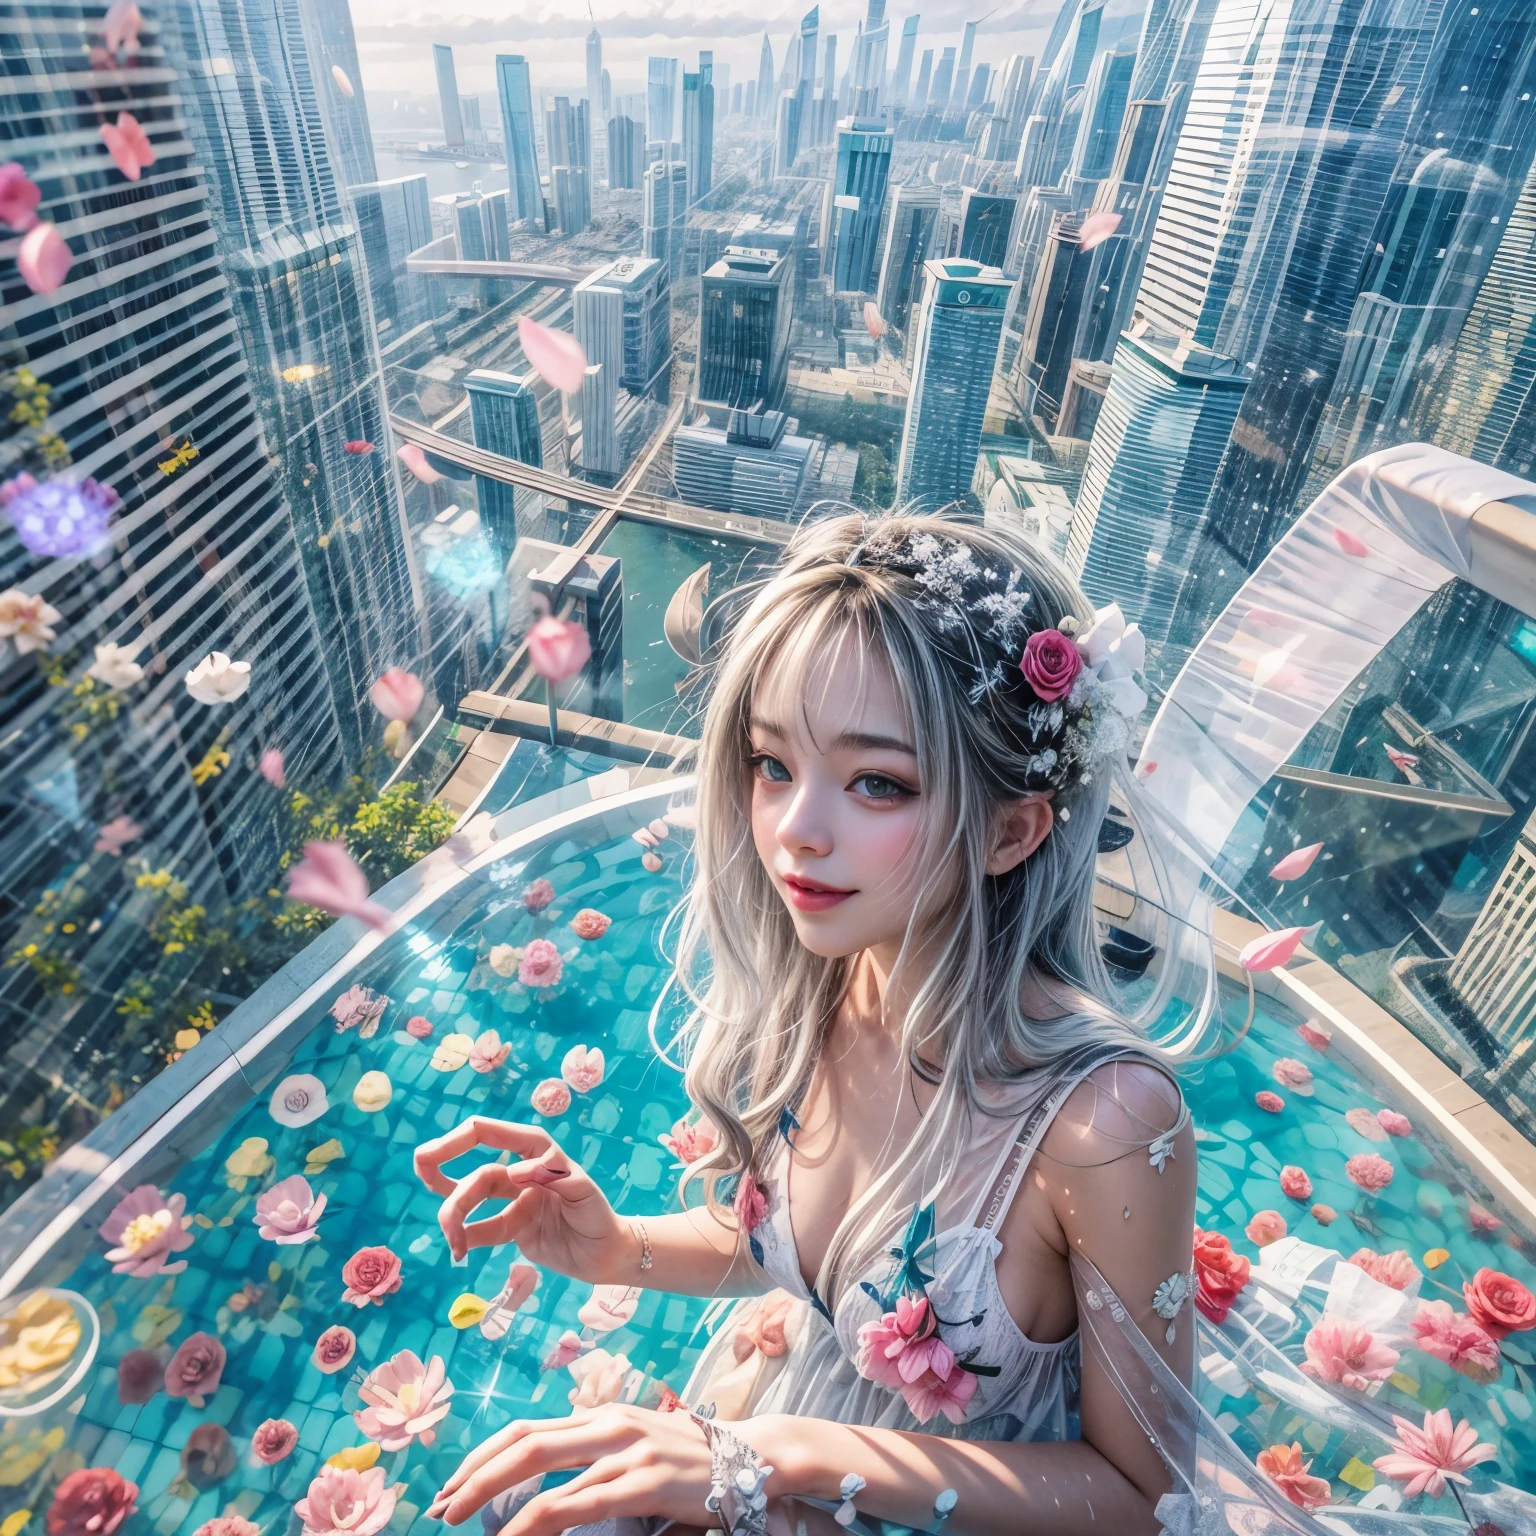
(143, 1230)
(290, 1211)
(538, 894)
(750, 1204)
(1499, 1303)
(418, 1027)
(91, 1502)
(1370, 1171)
(567, 1347)
(1430, 1456)
(589, 923)
(929, 1396)
(1343, 1352)
(689, 1142)
(370, 1274)
(406, 1401)
(1270, 1103)
(1396, 1269)
(1295, 1183)
(1292, 1073)
(1393, 1123)
(903, 1345)
(1283, 1466)
(582, 1068)
(488, 1052)
(1266, 1227)
(541, 964)
(1050, 664)
(195, 1369)
(341, 1502)
(1455, 1338)
(334, 1349)
(274, 1441)
(551, 1097)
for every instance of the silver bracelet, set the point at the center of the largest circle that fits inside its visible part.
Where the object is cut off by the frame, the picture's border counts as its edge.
(645, 1243)
(737, 1478)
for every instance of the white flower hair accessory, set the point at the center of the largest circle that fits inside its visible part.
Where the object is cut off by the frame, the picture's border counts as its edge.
(1112, 651)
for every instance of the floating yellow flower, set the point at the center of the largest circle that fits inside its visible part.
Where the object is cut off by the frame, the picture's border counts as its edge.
(13, 1523)
(39, 1335)
(250, 1160)
(317, 1159)
(355, 1458)
(1436, 1257)
(155, 1324)
(22, 1458)
(186, 1039)
(452, 1052)
(467, 1310)
(373, 1092)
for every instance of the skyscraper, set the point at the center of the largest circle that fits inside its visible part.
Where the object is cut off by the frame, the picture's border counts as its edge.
(744, 319)
(959, 325)
(514, 88)
(482, 225)
(767, 96)
(699, 131)
(1051, 320)
(962, 79)
(863, 168)
(568, 143)
(943, 82)
(448, 95)
(666, 208)
(333, 47)
(908, 245)
(623, 320)
(572, 196)
(920, 91)
(985, 219)
(597, 113)
(787, 133)
(661, 100)
(394, 218)
(626, 152)
(504, 416)
(1098, 130)
(901, 78)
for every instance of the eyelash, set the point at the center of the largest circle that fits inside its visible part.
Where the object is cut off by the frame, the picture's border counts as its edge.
(898, 790)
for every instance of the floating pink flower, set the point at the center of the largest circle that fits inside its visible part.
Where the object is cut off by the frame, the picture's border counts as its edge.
(415, 460)
(27, 618)
(271, 767)
(91, 1502)
(750, 1204)
(488, 1052)
(143, 1230)
(566, 1348)
(63, 519)
(1266, 1227)
(1364, 1123)
(208, 1458)
(556, 355)
(557, 648)
(334, 1349)
(688, 1142)
(1459, 1340)
(120, 28)
(19, 197)
(140, 1374)
(609, 1307)
(1369, 1171)
(538, 894)
(1324, 1215)
(196, 1368)
(1270, 1103)
(290, 1211)
(1270, 951)
(359, 1008)
(129, 145)
(582, 1068)
(1499, 1303)
(1481, 1220)
(1395, 1269)
(1292, 1073)
(341, 1502)
(115, 835)
(418, 1027)
(1351, 543)
(1346, 1354)
(1393, 1123)
(541, 964)
(1430, 1456)
(274, 1441)
(370, 1275)
(551, 1097)
(1295, 1183)
(1283, 1466)
(406, 1400)
(225, 1525)
(1296, 863)
(397, 695)
(589, 923)
(43, 259)
(1315, 1035)
(328, 877)
(1050, 664)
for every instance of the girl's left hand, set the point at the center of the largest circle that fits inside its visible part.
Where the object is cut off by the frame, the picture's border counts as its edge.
(638, 1462)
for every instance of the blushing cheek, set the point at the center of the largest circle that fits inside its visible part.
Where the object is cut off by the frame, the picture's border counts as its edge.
(765, 823)
(880, 845)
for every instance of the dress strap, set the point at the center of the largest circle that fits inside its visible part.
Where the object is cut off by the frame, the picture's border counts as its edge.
(1069, 1072)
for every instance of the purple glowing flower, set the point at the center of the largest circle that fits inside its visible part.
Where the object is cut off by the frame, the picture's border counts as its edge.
(60, 518)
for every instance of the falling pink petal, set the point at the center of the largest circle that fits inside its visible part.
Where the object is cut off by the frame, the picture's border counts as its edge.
(1351, 543)
(416, 461)
(19, 197)
(128, 145)
(343, 84)
(874, 321)
(1096, 229)
(558, 648)
(397, 695)
(271, 767)
(1296, 863)
(43, 259)
(1402, 761)
(115, 835)
(1271, 950)
(358, 445)
(556, 355)
(120, 27)
(328, 877)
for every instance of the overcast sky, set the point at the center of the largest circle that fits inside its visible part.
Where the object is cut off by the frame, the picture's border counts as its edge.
(393, 35)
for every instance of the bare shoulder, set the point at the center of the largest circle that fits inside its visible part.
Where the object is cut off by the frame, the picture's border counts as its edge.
(1119, 1106)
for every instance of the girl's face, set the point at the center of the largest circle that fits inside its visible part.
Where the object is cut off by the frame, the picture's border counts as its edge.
(836, 801)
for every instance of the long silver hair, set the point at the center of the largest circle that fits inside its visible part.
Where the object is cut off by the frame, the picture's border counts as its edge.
(761, 1003)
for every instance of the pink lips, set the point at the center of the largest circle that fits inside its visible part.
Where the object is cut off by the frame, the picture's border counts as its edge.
(812, 895)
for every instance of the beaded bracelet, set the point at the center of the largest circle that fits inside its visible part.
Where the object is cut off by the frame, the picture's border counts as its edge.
(737, 1478)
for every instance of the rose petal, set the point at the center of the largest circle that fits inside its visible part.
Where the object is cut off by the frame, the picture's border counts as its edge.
(557, 355)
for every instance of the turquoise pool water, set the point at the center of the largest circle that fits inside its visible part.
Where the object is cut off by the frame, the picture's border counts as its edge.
(268, 1304)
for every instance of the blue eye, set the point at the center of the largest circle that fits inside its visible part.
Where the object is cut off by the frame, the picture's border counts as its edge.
(877, 786)
(770, 769)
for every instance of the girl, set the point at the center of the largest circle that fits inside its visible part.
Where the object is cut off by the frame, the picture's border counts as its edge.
(936, 1140)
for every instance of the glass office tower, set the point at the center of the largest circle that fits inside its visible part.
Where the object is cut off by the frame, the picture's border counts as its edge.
(744, 321)
(863, 169)
(514, 87)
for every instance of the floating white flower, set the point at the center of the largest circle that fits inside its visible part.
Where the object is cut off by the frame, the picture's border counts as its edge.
(115, 666)
(26, 620)
(218, 680)
(298, 1099)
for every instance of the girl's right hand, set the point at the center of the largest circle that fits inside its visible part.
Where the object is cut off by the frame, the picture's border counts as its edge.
(557, 1217)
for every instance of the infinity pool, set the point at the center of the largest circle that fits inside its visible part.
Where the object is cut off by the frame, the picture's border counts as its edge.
(440, 984)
